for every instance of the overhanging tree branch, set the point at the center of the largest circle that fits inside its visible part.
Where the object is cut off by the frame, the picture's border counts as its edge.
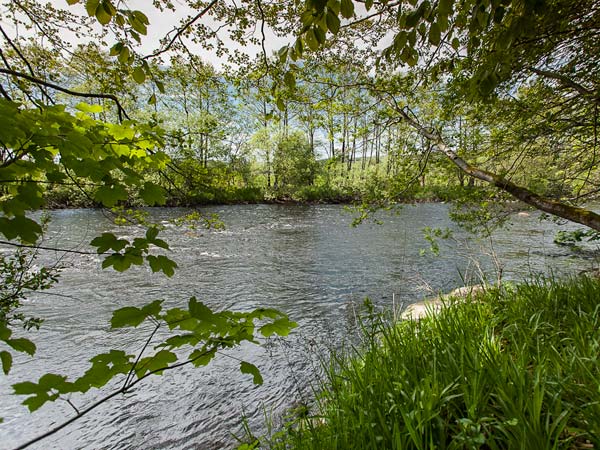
(121, 111)
(550, 206)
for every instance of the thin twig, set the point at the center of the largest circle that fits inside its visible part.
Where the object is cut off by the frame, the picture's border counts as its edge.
(181, 30)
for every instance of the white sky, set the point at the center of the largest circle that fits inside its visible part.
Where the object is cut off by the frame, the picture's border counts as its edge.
(163, 22)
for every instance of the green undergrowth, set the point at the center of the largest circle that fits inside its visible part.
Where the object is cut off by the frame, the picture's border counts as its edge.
(513, 368)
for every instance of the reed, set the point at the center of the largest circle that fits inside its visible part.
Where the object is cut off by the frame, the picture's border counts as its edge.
(510, 368)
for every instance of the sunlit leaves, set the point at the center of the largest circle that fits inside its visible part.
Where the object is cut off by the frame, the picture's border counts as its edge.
(131, 316)
(207, 332)
(54, 143)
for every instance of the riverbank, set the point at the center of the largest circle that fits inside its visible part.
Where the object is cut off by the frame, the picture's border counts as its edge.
(502, 368)
(59, 197)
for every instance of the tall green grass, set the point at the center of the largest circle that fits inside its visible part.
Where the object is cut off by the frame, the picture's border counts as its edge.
(513, 368)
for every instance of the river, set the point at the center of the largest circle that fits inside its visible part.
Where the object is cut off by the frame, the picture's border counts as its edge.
(304, 260)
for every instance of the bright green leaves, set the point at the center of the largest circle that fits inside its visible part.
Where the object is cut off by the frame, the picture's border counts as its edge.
(131, 316)
(206, 334)
(49, 143)
(127, 253)
(251, 369)
(281, 327)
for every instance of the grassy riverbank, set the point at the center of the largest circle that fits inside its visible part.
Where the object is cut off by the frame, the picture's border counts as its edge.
(516, 368)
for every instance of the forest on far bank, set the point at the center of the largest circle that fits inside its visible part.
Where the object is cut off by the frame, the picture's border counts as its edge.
(323, 128)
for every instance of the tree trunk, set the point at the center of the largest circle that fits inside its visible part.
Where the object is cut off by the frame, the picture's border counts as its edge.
(548, 205)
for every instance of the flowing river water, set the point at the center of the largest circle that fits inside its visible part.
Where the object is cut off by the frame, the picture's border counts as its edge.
(304, 260)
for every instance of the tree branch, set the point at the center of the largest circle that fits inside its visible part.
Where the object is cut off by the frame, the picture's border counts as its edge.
(120, 109)
(103, 400)
(554, 207)
(181, 30)
(566, 81)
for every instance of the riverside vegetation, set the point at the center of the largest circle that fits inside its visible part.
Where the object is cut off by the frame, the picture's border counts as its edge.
(512, 367)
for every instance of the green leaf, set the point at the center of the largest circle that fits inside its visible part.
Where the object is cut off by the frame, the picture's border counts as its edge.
(333, 21)
(153, 309)
(289, 79)
(130, 316)
(5, 332)
(347, 8)
(72, 2)
(153, 194)
(124, 55)
(152, 100)
(108, 241)
(6, 359)
(435, 35)
(311, 39)
(160, 360)
(91, 6)
(28, 230)
(139, 75)
(110, 195)
(102, 14)
(251, 369)
(87, 108)
(160, 86)
(199, 310)
(202, 357)
(162, 263)
(445, 7)
(282, 327)
(22, 345)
